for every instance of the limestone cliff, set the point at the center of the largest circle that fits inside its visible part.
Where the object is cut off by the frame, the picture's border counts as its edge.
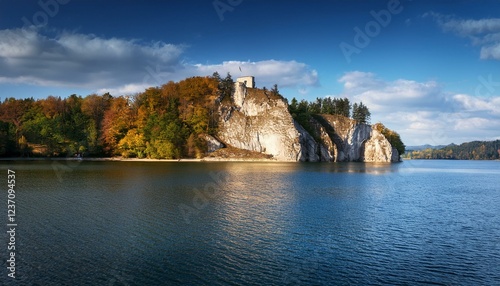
(356, 142)
(257, 120)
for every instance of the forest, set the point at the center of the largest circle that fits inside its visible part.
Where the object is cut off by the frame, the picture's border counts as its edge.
(170, 121)
(161, 122)
(476, 150)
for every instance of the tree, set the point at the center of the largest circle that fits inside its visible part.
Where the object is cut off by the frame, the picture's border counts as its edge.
(225, 86)
(132, 145)
(361, 113)
(274, 90)
(117, 121)
(327, 106)
(7, 139)
(52, 106)
(12, 110)
(292, 108)
(392, 136)
(23, 146)
(343, 107)
(217, 77)
(94, 107)
(315, 107)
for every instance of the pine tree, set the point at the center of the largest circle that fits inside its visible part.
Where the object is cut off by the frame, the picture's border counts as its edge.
(361, 113)
(274, 90)
(293, 106)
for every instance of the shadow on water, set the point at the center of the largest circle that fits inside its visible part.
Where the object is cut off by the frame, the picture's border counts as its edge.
(352, 167)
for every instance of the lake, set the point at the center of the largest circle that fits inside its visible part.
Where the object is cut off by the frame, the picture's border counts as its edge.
(256, 223)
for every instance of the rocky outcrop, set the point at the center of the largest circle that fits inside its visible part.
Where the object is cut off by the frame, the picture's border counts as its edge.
(377, 148)
(396, 157)
(257, 120)
(357, 142)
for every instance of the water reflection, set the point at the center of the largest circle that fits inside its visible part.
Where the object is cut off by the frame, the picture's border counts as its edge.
(259, 223)
(354, 167)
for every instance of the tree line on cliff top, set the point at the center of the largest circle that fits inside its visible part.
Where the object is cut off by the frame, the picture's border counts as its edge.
(170, 121)
(304, 111)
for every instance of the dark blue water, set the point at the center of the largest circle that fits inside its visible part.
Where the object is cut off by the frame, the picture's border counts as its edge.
(157, 223)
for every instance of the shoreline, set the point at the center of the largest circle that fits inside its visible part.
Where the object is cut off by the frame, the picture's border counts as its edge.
(118, 159)
(185, 160)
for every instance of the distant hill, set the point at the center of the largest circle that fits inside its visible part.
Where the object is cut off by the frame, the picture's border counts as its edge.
(476, 150)
(423, 147)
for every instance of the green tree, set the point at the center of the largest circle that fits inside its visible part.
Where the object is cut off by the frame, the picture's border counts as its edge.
(274, 90)
(225, 86)
(361, 113)
(293, 106)
(7, 139)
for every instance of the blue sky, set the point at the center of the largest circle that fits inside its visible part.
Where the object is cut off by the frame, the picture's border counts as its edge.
(427, 69)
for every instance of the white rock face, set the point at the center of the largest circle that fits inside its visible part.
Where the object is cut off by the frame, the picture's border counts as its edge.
(377, 148)
(308, 146)
(261, 122)
(239, 94)
(355, 142)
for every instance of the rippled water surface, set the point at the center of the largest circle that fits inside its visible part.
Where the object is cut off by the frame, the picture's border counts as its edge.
(204, 223)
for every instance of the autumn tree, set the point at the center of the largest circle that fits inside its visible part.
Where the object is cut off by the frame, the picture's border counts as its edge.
(12, 110)
(392, 136)
(117, 120)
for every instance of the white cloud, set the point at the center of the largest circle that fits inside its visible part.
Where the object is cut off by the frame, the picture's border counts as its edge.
(381, 95)
(474, 103)
(30, 56)
(422, 112)
(267, 73)
(77, 60)
(491, 52)
(483, 32)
